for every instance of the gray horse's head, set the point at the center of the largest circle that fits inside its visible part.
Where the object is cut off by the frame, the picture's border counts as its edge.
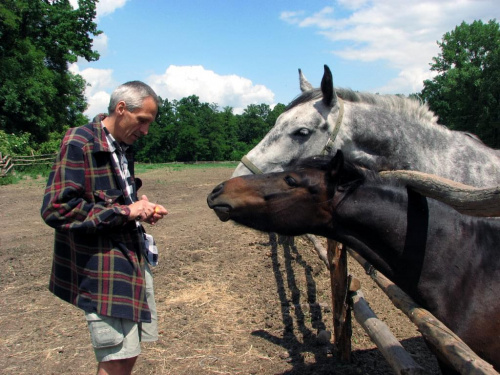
(303, 130)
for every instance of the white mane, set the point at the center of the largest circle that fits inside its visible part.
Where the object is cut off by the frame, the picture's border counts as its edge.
(394, 103)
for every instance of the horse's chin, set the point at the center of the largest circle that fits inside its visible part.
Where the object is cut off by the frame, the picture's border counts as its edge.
(223, 212)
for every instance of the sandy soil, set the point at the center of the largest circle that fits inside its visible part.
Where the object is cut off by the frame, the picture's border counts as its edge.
(229, 300)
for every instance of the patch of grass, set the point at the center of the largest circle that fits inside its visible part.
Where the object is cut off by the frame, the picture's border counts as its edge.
(9, 180)
(43, 171)
(26, 172)
(141, 168)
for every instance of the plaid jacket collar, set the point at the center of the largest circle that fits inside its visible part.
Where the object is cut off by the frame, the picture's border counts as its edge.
(100, 140)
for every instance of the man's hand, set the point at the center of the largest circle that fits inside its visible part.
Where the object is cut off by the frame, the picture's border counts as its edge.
(144, 210)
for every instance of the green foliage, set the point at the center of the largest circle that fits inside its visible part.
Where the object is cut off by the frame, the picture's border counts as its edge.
(38, 39)
(9, 180)
(189, 130)
(53, 144)
(466, 91)
(33, 171)
(12, 144)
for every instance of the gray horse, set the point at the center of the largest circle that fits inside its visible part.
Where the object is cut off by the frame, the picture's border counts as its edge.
(381, 132)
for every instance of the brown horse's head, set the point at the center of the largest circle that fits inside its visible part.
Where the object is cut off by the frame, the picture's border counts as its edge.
(292, 202)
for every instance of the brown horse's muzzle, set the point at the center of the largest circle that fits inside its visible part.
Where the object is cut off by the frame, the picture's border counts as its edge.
(221, 208)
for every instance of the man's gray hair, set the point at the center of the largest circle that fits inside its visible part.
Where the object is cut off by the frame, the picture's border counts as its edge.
(133, 94)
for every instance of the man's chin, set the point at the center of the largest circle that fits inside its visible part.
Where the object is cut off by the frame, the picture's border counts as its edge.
(130, 140)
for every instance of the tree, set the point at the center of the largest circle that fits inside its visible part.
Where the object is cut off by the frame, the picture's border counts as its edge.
(253, 123)
(189, 130)
(161, 143)
(466, 90)
(38, 38)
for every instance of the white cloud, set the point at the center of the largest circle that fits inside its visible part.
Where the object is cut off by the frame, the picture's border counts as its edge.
(100, 85)
(401, 32)
(103, 7)
(230, 90)
(176, 83)
(100, 44)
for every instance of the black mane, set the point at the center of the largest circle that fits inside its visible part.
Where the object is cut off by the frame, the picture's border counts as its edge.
(351, 171)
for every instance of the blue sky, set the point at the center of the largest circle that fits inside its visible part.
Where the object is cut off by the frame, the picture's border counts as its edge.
(240, 52)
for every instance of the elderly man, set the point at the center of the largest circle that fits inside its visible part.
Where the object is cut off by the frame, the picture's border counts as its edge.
(101, 251)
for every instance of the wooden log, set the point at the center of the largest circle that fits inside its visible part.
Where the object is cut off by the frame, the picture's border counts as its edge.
(392, 350)
(5, 165)
(52, 155)
(320, 249)
(342, 321)
(446, 343)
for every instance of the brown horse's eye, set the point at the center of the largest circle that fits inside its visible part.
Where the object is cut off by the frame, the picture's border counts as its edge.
(290, 181)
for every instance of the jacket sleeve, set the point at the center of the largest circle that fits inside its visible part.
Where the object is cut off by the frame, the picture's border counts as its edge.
(70, 201)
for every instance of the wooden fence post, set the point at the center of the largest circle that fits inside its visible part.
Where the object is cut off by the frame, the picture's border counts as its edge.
(5, 165)
(342, 323)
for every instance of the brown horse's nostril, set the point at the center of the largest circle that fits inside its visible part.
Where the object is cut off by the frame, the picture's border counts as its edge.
(214, 194)
(217, 190)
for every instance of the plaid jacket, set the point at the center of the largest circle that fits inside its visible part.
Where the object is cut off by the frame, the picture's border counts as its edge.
(97, 264)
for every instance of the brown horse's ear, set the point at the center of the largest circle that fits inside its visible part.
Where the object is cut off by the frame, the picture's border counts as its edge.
(329, 95)
(335, 166)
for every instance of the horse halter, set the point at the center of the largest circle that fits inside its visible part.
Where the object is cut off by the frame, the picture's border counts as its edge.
(326, 150)
(329, 144)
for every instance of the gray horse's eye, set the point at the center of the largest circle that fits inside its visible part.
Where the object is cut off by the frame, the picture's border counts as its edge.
(303, 132)
(290, 181)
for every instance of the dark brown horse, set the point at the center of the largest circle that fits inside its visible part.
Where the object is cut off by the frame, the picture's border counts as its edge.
(446, 261)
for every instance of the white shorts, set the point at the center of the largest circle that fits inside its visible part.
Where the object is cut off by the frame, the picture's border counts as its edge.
(115, 338)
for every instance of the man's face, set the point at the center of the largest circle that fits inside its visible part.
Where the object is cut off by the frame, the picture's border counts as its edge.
(130, 126)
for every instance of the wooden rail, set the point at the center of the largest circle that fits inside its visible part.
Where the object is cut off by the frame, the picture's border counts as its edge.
(392, 350)
(32, 159)
(8, 163)
(441, 338)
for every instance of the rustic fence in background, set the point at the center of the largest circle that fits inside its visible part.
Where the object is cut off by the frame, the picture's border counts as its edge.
(9, 163)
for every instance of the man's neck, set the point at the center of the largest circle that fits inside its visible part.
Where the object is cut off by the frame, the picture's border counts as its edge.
(110, 125)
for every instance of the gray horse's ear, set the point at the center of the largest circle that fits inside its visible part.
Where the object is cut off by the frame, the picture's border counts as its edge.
(329, 96)
(304, 83)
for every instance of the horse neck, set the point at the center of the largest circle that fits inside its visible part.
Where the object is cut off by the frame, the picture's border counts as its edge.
(374, 221)
(383, 140)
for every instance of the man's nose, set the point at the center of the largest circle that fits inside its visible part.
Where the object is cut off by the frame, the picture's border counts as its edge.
(144, 129)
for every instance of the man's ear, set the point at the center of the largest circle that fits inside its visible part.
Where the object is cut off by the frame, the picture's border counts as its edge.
(120, 108)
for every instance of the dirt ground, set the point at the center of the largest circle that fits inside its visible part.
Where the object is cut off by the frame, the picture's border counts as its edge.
(229, 300)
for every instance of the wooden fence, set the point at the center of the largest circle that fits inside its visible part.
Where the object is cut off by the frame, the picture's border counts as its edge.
(9, 163)
(347, 297)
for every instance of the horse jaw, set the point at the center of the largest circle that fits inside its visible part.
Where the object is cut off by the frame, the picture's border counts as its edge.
(241, 170)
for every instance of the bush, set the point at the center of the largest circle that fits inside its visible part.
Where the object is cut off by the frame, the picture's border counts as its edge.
(53, 144)
(11, 144)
